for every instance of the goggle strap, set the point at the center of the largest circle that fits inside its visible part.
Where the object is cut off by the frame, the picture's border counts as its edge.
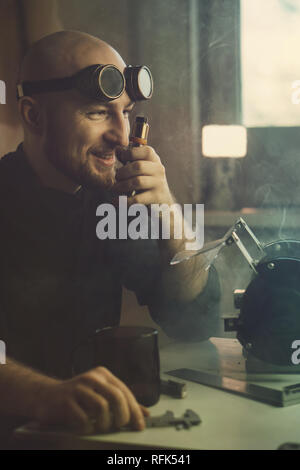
(42, 86)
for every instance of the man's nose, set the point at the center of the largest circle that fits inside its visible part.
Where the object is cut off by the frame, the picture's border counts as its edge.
(118, 131)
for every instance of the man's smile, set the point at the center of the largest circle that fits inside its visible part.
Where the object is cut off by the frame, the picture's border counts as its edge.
(101, 159)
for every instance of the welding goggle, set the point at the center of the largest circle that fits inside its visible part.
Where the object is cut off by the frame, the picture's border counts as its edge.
(101, 82)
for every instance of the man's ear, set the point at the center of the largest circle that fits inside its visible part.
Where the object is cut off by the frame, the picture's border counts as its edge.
(31, 114)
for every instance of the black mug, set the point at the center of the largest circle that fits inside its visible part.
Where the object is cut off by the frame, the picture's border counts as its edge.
(131, 354)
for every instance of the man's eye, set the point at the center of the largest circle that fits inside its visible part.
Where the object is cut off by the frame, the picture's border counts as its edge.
(100, 114)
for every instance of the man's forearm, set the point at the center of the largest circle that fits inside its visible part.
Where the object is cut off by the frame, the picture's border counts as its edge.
(19, 389)
(182, 281)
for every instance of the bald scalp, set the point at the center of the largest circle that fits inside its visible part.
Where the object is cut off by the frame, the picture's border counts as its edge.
(64, 53)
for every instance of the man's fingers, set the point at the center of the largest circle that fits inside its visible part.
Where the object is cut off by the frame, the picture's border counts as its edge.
(109, 401)
(123, 154)
(146, 198)
(96, 407)
(136, 414)
(77, 419)
(137, 168)
(144, 152)
(135, 183)
(114, 395)
(145, 411)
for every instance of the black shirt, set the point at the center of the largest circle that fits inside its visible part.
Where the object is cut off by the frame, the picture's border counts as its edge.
(59, 282)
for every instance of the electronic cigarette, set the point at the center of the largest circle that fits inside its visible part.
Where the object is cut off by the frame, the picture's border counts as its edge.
(139, 135)
(140, 132)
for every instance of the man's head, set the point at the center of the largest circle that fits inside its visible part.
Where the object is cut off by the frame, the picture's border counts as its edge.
(78, 136)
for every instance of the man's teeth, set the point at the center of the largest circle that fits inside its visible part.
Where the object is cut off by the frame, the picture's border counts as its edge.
(104, 157)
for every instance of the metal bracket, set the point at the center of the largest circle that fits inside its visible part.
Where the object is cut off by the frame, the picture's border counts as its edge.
(189, 418)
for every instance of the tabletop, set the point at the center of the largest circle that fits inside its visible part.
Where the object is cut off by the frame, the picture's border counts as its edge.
(228, 421)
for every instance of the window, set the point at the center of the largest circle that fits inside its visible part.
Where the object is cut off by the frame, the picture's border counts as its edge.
(270, 62)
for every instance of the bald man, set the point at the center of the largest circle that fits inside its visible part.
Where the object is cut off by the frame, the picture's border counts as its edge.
(59, 283)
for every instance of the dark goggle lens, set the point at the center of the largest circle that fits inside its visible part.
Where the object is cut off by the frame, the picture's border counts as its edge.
(145, 82)
(111, 82)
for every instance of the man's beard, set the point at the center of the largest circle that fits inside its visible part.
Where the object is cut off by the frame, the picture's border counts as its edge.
(84, 173)
(92, 178)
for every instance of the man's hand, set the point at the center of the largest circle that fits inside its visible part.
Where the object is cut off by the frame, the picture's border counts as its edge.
(95, 401)
(143, 172)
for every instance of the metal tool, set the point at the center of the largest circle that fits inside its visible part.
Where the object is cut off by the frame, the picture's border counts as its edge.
(288, 395)
(289, 446)
(213, 248)
(172, 388)
(140, 132)
(139, 136)
(187, 420)
(269, 321)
